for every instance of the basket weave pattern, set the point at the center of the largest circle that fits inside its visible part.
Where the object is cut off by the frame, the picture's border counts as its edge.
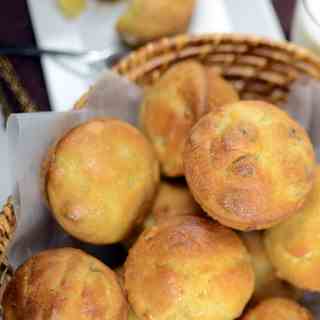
(258, 68)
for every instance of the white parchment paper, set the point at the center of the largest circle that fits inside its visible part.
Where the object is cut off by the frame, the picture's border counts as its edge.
(31, 135)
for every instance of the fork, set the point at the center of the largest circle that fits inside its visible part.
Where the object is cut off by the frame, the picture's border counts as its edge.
(90, 57)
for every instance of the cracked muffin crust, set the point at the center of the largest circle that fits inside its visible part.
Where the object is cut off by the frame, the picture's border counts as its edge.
(188, 268)
(146, 20)
(250, 166)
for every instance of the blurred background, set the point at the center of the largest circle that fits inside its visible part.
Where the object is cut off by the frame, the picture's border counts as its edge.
(18, 26)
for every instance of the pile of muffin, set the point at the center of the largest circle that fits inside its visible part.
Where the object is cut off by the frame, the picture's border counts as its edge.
(195, 249)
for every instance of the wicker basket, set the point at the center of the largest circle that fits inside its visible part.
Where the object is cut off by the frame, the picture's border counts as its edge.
(258, 68)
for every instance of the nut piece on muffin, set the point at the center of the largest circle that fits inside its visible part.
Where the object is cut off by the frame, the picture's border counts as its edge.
(147, 20)
(267, 284)
(293, 246)
(100, 180)
(250, 166)
(188, 268)
(169, 110)
(278, 309)
(64, 284)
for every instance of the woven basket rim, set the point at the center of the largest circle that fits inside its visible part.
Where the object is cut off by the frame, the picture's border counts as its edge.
(187, 39)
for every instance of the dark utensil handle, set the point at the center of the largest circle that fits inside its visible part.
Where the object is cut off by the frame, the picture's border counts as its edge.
(35, 52)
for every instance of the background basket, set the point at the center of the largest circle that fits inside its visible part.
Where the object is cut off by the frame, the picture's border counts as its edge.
(258, 68)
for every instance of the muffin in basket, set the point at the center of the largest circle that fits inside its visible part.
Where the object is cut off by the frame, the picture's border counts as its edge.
(293, 246)
(278, 309)
(64, 284)
(172, 106)
(249, 166)
(188, 268)
(220, 91)
(173, 199)
(100, 180)
(169, 110)
(267, 284)
(147, 20)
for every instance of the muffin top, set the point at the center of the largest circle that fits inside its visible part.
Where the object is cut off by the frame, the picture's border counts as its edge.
(64, 284)
(146, 20)
(293, 245)
(278, 309)
(169, 110)
(100, 180)
(188, 268)
(250, 165)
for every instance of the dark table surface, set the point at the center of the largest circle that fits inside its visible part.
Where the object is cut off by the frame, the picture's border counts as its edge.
(16, 28)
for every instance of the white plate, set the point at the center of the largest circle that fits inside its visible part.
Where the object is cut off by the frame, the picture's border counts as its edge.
(95, 30)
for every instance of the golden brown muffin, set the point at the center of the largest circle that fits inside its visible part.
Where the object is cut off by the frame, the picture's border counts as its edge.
(169, 110)
(220, 91)
(147, 20)
(189, 268)
(173, 199)
(278, 309)
(267, 284)
(132, 315)
(250, 166)
(293, 246)
(101, 180)
(64, 284)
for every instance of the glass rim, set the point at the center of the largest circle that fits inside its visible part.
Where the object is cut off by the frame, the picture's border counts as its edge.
(309, 12)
